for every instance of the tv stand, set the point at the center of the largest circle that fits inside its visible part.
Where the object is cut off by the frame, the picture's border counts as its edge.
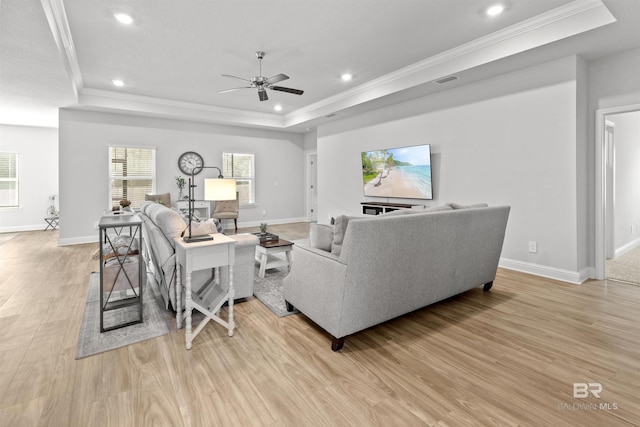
(377, 208)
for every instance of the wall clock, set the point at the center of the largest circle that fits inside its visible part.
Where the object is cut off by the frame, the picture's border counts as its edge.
(190, 161)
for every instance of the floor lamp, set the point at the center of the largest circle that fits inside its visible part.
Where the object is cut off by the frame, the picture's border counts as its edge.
(215, 189)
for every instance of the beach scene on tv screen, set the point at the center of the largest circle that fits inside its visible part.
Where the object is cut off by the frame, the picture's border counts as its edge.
(403, 172)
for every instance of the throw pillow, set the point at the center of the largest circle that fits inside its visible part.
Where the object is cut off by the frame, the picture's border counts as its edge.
(200, 228)
(218, 225)
(163, 199)
(339, 229)
(321, 236)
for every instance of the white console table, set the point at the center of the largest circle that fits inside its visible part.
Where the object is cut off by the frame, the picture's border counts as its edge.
(202, 208)
(200, 256)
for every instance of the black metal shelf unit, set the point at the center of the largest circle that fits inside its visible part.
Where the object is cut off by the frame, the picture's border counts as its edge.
(122, 271)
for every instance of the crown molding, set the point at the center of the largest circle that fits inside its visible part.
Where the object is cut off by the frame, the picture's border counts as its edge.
(57, 19)
(565, 21)
(182, 110)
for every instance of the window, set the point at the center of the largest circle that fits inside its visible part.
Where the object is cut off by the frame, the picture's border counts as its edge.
(132, 173)
(8, 180)
(241, 167)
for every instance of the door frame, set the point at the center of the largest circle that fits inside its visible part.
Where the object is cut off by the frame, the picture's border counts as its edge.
(311, 198)
(600, 190)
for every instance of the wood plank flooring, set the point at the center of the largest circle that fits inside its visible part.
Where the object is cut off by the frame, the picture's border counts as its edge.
(505, 357)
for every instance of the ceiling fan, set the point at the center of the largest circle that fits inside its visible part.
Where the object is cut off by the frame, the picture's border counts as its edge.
(263, 83)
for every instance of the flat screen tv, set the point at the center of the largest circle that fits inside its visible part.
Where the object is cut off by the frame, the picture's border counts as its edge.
(403, 172)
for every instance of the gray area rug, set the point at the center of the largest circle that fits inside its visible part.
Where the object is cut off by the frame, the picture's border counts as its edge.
(269, 290)
(91, 341)
(625, 268)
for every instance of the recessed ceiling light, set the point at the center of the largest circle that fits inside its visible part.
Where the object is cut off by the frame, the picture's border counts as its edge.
(278, 107)
(346, 77)
(117, 82)
(495, 10)
(123, 18)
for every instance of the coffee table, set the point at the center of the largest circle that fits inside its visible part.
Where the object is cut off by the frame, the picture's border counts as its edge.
(266, 255)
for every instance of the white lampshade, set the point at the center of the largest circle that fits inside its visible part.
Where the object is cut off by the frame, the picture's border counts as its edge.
(219, 189)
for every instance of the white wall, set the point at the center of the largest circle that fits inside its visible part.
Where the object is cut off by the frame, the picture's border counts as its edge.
(86, 136)
(627, 179)
(38, 175)
(508, 140)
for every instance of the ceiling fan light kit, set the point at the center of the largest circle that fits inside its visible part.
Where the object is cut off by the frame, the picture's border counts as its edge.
(262, 83)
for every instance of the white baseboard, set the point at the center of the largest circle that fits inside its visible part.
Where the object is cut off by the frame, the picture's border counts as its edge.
(78, 240)
(562, 275)
(18, 228)
(627, 248)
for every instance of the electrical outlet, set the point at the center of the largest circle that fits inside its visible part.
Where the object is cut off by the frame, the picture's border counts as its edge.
(95, 225)
(533, 247)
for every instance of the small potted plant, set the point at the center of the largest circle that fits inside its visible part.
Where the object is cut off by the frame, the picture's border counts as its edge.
(263, 228)
(180, 182)
(125, 204)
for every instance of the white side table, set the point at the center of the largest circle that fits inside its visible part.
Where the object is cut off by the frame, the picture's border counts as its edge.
(202, 208)
(199, 256)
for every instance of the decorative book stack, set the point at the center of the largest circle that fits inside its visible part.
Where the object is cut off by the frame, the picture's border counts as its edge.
(267, 237)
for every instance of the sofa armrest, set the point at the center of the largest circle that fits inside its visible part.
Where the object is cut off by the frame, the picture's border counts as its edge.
(245, 239)
(315, 286)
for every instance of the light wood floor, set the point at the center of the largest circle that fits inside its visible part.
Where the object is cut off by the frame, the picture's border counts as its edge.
(505, 357)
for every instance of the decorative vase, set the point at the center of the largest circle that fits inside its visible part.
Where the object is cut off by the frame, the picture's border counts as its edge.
(180, 194)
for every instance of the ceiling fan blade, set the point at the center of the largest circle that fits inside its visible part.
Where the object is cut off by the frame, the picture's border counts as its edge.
(235, 88)
(277, 78)
(262, 94)
(287, 89)
(236, 77)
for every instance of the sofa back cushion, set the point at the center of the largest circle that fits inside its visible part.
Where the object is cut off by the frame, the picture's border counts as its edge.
(168, 220)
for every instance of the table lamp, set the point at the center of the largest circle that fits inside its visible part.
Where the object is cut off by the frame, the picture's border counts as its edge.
(215, 189)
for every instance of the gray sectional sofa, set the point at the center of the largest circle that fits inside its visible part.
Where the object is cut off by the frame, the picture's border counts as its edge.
(160, 225)
(366, 270)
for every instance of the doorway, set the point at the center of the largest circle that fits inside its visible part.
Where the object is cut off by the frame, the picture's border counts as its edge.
(617, 193)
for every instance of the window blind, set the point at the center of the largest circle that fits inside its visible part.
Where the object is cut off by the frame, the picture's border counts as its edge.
(9, 180)
(132, 174)
(241, 167)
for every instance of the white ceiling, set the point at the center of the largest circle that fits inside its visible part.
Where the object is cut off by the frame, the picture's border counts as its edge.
(56, 54)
